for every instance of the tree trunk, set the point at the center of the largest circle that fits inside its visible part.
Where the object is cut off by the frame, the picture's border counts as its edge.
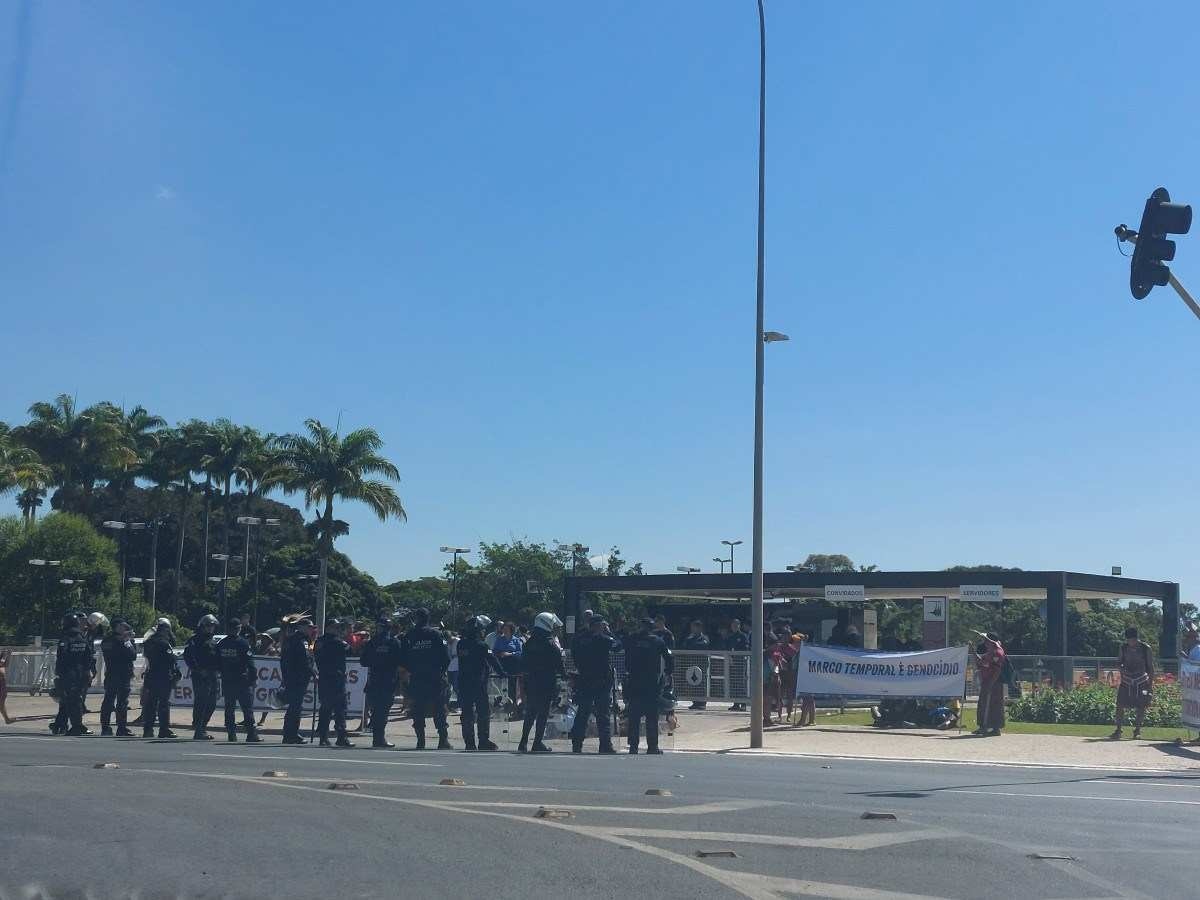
(324, 547)
(207, 515)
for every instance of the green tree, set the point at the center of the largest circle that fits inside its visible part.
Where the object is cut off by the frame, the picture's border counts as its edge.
(829, 562)
(78, 447)
(22, 469)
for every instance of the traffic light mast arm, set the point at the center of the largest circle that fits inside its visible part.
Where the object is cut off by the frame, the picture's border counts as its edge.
(1128, 234)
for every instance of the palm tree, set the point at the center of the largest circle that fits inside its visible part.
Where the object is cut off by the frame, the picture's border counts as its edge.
(21, 467)
(135, 440)
(327, 467)
(221, 464)
(76, 445)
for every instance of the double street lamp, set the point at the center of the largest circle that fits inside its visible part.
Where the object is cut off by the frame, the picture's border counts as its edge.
(223, 579)
(722, 562)
(122, 528)
(730, 545)
(254, 522)
(457, 552)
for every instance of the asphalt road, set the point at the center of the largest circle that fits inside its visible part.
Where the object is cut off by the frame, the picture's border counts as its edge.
(183, 819)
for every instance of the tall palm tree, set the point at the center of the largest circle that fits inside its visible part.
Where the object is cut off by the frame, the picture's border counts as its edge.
(326, 467)
(223, 461)
(21, 467)
(135, 439)
(76, 445)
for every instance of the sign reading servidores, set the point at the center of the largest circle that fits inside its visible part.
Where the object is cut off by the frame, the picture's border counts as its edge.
(833, 671)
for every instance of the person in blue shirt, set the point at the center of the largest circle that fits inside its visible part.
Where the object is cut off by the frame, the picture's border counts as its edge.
(508, 648)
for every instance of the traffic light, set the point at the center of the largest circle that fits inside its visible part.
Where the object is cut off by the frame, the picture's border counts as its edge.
(1152, 250)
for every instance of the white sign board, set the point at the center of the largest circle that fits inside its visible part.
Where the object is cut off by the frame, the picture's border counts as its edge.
(1189, 683)
(846, 593)
(269, 682)
(935, 609)
(833, 671)
(981, 593)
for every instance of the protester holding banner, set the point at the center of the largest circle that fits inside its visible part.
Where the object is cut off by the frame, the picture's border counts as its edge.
(1136, 661)
(990, 714)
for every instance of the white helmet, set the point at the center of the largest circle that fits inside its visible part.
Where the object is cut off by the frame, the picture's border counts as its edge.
(547, 622)
(161, 622)
(98, 618)
(210, 619)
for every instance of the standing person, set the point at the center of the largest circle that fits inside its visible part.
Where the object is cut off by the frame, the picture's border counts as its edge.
(119, 652)
(4, 655)
(697, 640)
(542, 664)
(296, 670)
(161, 671)
(452, 673)
(61, 721)
(739, 642)
(593, 684)
(646, 660)
(990, 655)
(662, 632)
(330, 657)
(508, 647)
(426, 659)
(381, 657)
(74, 666)
(476, 662)
(1136, 662)
(204, 666)
(239, 675)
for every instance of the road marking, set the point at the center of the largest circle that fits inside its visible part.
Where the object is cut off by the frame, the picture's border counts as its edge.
(1069, 797)
(849, 842)
(698, 809)
(1195, 783)
(332, 759)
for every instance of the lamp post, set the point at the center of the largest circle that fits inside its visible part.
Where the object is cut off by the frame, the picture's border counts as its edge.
(223, 578)
(730, 545)
(456, 551)
(314, 579)
(718, 559)
(255, 522)
(134, 579)
(121, 528)
(45, 565)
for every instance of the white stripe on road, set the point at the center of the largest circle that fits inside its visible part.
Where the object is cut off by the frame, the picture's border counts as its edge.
(849, 842)
(1069, 797)
(337, 759)
(697, 809)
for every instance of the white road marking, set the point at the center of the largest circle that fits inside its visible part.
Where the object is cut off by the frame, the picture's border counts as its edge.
(1069, 797)
(328, 778)
(333, 759)
(1182, 784)
(849, 842)
(698, 809)
(825, 889)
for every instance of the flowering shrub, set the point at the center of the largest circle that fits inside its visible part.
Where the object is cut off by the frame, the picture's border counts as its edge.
(1095, 704)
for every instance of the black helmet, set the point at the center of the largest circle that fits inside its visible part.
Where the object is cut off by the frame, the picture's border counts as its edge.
(69, 621)
(421, 616)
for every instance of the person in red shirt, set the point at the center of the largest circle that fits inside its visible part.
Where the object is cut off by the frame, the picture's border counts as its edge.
(990, 655)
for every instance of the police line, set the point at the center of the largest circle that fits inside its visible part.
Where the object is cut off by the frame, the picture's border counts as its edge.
(837, 672)
(270, 680)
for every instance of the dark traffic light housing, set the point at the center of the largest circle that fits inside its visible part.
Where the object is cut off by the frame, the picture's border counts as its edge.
(1152, 250)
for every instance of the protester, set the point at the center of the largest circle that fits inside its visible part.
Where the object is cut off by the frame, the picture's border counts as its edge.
(697, 640)
(990, 655)
(1136, 662)
(4, 656)
(452, 673)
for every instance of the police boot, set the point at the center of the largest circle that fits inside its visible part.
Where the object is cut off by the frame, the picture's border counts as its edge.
(344, 741)
(122, 731)
(539, 747)
(165, 733)
(420, 740)
(324, 741)
(444, 741)
(607, 749)
(79, 731)
(469, 744)
(522, 748)
(232, 737)
(253, 737)
(147, 731)
(105, 731)
(576, 746)
(201, 735)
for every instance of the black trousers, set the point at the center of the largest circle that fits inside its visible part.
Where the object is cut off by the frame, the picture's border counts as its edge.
(643, 705)
(295, 708)
(428, 700)
(592, 698)
(204, 699)
(237, 693)
(476, 714)
(332, 698)
(380, 704)
(72, 687)
(116, 699)
(158, 706)
(537, 711)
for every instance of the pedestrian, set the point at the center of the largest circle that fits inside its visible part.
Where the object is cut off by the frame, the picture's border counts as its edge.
(697, 642)
(204, 666)
(475, 664)
(739, 642)
(4, 656)
(662, 632)
(161, 675)
(381, 658)
(74, 665)
(647, 659)
(1136, 662)
(592, 651)
(508, 648)
(119, 652)
(239, 675)
(427, 660)
(72, 622)
(296, 671)
(330, 657)
(542, 663)
(452, 673)
(991, 657)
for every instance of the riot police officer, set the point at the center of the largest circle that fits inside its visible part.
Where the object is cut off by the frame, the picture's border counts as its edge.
(381, 657)
(119, 653)
(426, 658)
(542, 664)
(238, 677)
(204, 666)
(646, 659)
(330, 656)
(475, 663)
(74, 668)
(161, 671)
(593, 684)
(296, 668)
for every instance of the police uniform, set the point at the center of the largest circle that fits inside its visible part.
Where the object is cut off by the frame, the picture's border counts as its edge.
(74, 665)
(646, 659)
(119, 656)
(426, 658)
(238, 678)
(543, 665)
(296, 669)
(160, 671)
(330, 656)
(475, 663)
(381, 658)
(200, 654)
(593, 687)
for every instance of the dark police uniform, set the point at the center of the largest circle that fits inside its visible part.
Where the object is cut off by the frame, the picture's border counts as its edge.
(475, 662)
(381, 658)
(593, 687)
(296, 669)
(238, 678)
(204, 666)
(119, 656)
(330, 656)
(542, 664)
(74, 665)
(426, 658)
(160, 672)
(646, 658)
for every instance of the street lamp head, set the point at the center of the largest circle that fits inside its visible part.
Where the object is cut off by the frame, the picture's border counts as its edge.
(37, 562)
(136, 526)
(271, 521)
(731, 543)
(66, 581)
(687, 570)
(111, 523)
(54, 562)
(220, 557)
(249, 520)
(774, 337)
(215, 578)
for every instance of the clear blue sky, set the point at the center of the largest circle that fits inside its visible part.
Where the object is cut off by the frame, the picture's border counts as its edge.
(518, 238)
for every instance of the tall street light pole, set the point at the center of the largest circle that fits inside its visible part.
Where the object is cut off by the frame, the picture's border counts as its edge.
(45, 565)
(457, 551)
(718, 559)
(731, 545)
(121, 528)
(314, 579)
(256, 522)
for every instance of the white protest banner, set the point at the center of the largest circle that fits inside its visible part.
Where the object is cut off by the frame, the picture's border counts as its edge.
(270, 680)
(853, 593)
(837, 672)
(1189, 682)
(981, 593)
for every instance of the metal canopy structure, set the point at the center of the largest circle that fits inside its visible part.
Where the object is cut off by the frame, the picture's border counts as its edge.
(1056, 588)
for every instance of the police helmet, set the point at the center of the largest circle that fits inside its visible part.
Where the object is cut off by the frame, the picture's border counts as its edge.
(209, 619)
(547, 622)
(420, 616)
(98, 620)
(69, 621)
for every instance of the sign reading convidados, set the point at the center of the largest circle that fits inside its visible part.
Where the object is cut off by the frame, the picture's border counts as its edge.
(851, 593)
(1189, 682)
(981, 593)
(833, 671)
(269, 682)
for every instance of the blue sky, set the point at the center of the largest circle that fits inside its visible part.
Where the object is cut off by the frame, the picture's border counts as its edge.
(518, 238)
